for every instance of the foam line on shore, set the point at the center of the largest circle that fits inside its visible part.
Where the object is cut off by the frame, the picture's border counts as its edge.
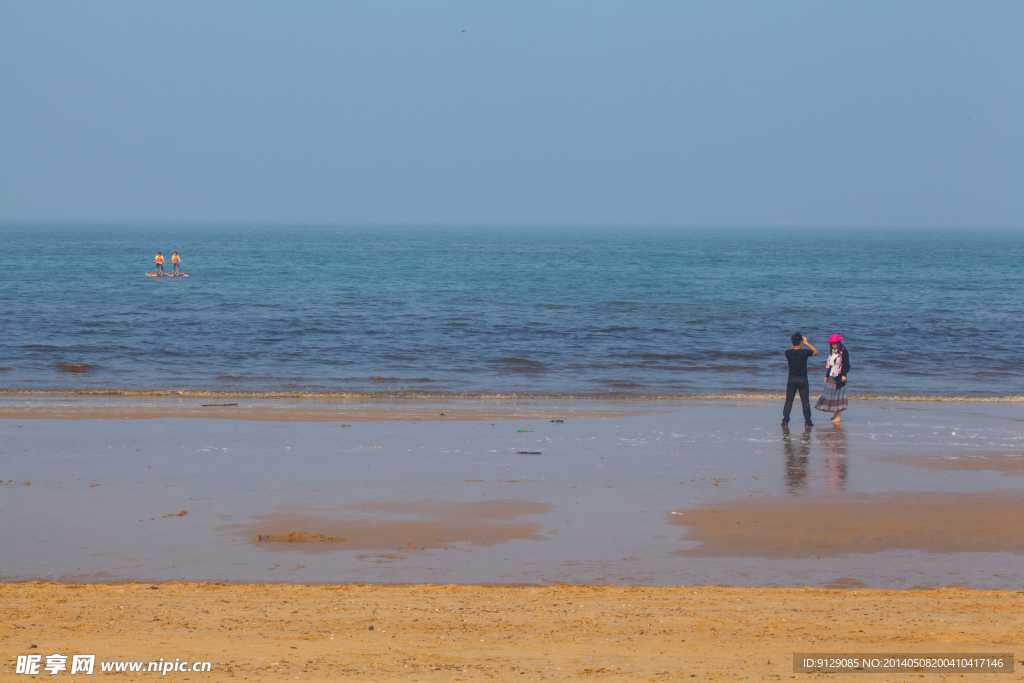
(457, 396)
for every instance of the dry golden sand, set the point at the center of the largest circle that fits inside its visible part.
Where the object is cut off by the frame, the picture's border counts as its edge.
(271, 632)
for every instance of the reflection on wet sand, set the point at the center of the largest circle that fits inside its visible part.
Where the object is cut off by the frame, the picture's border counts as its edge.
(856, 523)
(833, 441)
(797, 449)
(405, 526)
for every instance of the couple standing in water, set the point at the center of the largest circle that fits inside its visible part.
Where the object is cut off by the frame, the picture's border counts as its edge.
(833, 399)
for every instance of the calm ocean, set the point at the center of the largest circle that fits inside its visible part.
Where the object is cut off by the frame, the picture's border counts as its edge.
(394, 312)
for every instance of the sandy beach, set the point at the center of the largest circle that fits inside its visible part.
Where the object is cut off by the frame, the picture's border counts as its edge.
(523, 541)
(277, 632)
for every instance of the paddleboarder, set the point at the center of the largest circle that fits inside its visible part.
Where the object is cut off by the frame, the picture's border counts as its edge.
(175, 260)
(159, 263)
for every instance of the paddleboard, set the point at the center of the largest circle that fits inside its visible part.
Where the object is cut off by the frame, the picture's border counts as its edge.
(166, 275)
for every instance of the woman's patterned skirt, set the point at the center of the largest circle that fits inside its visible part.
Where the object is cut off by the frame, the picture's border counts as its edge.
(832, 399)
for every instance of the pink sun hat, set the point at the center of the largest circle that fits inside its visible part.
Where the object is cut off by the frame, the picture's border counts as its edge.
(835, 338)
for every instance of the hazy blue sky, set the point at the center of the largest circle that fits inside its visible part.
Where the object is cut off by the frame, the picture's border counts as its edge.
(507, 113)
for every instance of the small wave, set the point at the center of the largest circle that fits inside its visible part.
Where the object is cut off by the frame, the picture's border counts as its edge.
(80, 368)
(521, 361)
(616, 328)
(520, 365)
(399, 380)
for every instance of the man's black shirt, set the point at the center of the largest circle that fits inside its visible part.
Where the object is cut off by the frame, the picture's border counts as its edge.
(798, 361)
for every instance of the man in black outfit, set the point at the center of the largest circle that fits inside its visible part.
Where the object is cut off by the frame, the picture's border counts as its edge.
(797, 357)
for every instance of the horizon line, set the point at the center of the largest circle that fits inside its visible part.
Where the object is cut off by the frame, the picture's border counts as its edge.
(8, 223)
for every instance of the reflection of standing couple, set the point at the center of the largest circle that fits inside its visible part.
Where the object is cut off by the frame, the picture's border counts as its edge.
(834, 398)
(797, 449)
(834, 443)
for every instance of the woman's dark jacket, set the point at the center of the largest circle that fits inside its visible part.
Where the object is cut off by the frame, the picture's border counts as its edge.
(840, 383)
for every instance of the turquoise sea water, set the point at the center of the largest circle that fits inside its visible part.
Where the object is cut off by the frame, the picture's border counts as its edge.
(400, 311)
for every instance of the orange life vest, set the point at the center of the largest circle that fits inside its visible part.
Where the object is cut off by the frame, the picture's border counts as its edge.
(174, 259)
(159, 258)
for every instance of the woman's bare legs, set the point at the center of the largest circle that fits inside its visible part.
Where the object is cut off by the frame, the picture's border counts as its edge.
(838, 417)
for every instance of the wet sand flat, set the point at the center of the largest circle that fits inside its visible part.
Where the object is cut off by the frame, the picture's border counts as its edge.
(662, 494)
(25, 407)
(1008, 463)
(400, 526)
(504, 545)
(822, 526)
(276, 632)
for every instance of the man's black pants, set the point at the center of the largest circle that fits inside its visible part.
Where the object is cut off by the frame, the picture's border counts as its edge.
(794, 385)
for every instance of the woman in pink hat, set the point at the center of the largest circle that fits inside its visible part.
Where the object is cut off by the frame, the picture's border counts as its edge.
(833, 399)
